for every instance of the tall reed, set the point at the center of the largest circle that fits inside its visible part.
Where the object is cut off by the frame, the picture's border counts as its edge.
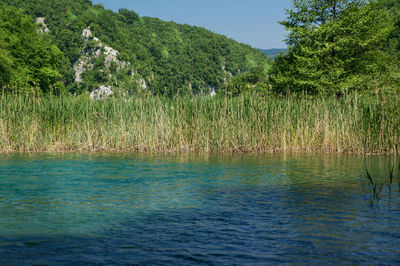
(248, 123)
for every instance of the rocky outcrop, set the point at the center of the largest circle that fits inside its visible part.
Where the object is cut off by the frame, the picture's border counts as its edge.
(141, 83)
(227, 75)
(86, 34)
(80, 67)
(85, 61)
(42, 22)
(211, 92)
(93, 50)
(101, 93)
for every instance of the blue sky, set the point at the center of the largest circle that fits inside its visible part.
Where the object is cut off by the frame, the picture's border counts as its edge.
(249, 21)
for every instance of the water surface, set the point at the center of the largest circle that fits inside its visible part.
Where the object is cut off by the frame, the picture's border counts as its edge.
(196, 209)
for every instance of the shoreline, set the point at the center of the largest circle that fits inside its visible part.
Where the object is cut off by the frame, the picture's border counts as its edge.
(289, 151)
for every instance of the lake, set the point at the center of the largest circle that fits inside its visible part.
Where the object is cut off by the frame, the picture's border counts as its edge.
(197, 209)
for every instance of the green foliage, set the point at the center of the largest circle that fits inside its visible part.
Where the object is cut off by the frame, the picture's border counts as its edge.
(392, 7)
(167, 55)
(334, 46)
(252, 81)
(127, 16)
(6, 69)
(28, 59)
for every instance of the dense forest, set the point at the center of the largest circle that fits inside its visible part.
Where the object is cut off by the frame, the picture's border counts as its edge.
(164, 57)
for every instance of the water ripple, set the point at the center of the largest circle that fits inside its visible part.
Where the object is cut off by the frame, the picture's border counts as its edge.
(135, 209)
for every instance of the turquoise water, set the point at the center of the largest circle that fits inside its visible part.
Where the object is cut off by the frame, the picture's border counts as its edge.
(197, 209)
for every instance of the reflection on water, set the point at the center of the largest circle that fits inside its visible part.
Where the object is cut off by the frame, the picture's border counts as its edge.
(196, 209)
(384, 184)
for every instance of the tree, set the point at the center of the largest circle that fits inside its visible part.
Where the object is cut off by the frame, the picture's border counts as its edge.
(392, 7)
(128, 16)
(27, 58)
(333, 46)
(6, 63)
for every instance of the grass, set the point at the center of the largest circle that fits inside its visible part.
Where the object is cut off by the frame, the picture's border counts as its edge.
(248, 123)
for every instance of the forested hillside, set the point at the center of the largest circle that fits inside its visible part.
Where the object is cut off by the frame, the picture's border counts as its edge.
(122, 50)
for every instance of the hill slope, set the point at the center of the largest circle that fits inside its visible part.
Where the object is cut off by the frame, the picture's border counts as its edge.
(272, 53)
(130, 52)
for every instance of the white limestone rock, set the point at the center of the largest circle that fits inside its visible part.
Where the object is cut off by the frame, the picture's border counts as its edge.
(81, 66)
(211, 92)
(86, 34)
(42, 22)
(101, 93)
(111, 56)
(142, 84)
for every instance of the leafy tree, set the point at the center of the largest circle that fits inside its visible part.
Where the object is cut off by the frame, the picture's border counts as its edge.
(28, 58)
(255, 80)
(392, 7)
(127, 16)
(6, 66)
(333, 46)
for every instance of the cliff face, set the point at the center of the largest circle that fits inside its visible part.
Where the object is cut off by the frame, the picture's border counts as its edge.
(92, 54)
(95, 53)
(41, 21)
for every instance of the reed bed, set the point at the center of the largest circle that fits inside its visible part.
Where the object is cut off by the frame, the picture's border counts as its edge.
(248, 123)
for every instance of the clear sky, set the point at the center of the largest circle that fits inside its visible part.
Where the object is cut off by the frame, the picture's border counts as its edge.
(252, 22)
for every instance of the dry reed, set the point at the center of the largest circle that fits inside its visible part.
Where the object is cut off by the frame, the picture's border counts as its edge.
(248, 123)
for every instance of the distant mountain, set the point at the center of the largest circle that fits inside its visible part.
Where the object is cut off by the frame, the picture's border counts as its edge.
(273, 52)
